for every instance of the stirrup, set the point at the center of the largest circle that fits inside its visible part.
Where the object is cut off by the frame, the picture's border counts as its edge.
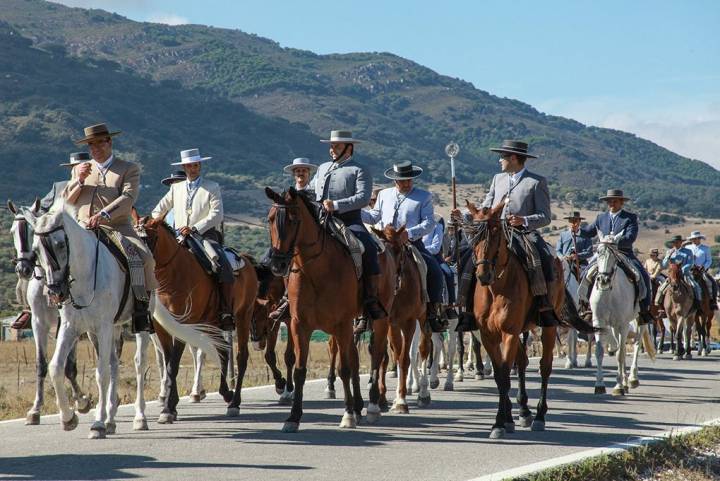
(362, 324)
(227, 321)
(281, 311)
(141, 322)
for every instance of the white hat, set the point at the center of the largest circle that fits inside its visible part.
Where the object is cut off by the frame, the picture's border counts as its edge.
(190, 156)
(300, 162)
(696, 235)
(341, 137)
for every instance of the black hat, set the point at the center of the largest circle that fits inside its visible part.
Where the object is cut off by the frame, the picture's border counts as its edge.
(76, 158)
(514, 147)
(614, 194)
(177, 176)
(574, 215)
(676, 238)
(403, 171)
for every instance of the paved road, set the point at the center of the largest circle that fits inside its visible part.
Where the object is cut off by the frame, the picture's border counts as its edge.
(446, 441)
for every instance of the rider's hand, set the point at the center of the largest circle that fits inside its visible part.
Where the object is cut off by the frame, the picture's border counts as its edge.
(83, 170)
(94, 221)
(516, 220)
(185, 231)
(328, 205)
(455, 215)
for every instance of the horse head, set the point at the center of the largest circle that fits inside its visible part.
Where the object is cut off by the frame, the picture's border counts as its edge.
(392, 236)
(52, 247)
(674, 274)
(150, 230)
(487, 236)
(21, 231)
(606, 265)
(284, 221)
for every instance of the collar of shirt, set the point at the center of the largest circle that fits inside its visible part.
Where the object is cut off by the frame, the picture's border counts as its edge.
(613, 215)
(516, 176)
(193, 184)
(105, 165)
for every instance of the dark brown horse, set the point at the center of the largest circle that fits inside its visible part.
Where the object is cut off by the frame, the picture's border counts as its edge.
(503, 307)
(323, 290)
(703, 317)
(678, 304)
(658, 326)
(181, 277)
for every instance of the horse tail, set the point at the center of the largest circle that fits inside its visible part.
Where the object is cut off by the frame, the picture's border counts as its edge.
(202, 336)
(648, 344)
(569, 316)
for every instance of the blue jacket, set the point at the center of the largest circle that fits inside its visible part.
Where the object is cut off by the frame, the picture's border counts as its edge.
(414, 211)
(625, 222)
(583, 245)
(682, 256)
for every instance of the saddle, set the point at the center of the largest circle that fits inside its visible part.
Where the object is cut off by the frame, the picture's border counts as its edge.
(208, 253)
(345, 236)
(422, 268)
(113, 240)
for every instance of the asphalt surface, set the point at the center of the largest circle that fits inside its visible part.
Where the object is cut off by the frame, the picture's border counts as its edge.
(448, 441)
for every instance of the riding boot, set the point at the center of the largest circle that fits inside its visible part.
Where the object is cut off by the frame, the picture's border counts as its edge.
(371, 303)
(282, 311)
(141, 320)
(466, 322)
(227, 320)
(696, 304)
(546, 314)
(645, 317)
(437, 324)
(585, 312)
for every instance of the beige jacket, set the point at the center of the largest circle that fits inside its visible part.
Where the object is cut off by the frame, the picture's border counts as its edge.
(206, 208)
(653, 267)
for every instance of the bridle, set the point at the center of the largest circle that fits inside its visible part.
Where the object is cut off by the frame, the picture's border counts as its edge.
(286, 258)
(479, 231)
(26, 260)
(604, 278)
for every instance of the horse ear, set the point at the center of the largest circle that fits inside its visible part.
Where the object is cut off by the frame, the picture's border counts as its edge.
(471, 207)
(401, 230)
(11, 207)
(36, 205)
(293, 192)
(273, 196)
(29, 216)
(379, 233)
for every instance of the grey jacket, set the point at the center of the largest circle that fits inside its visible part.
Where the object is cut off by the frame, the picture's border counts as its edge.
(529, 198)
(347, 184)
(55, 193)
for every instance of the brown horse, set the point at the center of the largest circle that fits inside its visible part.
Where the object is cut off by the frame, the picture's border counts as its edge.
(703, 317)
(323, 290)
(264, 333)
(678, 303)
(181, 277)
(503, 307)
(657, 314)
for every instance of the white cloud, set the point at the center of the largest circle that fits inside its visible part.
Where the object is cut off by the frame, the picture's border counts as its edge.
(167, 18)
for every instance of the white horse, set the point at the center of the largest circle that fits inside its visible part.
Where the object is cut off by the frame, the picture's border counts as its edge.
(613, 305)
(44, 316)
(572, 285)
(85, 278)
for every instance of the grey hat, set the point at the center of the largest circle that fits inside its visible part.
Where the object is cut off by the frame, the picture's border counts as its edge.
(403, 171)
(190, 156)
(514, 147)
(614, 194)
(300, 162)
(76, 158)
(341, 137)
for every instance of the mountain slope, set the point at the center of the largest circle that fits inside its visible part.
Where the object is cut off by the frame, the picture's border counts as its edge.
(404, 110)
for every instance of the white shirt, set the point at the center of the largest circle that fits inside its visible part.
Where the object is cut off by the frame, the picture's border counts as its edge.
(105, 165)
(516, 176)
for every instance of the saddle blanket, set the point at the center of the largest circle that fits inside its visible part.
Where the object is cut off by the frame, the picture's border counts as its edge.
(347, 238)
(422, 267)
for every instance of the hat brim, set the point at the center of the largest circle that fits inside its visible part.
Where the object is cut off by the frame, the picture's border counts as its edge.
(511, 151)
(697, 237)
(289, 168)
(391, 174)
(606, 197)
(346, 140)
(171, 180)
(86, 140)
(202, 159)
(73, 164)
(570, 217)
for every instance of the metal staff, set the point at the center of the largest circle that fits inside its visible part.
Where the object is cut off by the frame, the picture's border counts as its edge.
(452, 150)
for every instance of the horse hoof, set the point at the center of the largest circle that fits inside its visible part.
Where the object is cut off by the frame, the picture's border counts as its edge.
(32, 419)
(600, 390)
(618, 391)
(348, 421)
(568, 365)
(391, 374)
(525, 421)
(372, 417)
(423, 401)
(162, 399)
(537, 426)
(448, 387)
(290, 427)
(400, 408)
(634, 383)
(69, 425)
(487, 371)
(110, 428)
(509, 428)
(232, 412)
(588, 365)
(140, 424)
(329, 394)
(411, 390)
(459, 377)
(434, 383)
(611, 353)
(688, 356)
(83, 405)
(513, 371)
(195, 398)
(676, 357)
(479, 377)
(166, 418)
(97, 432)
(497, 433)
(286, 399)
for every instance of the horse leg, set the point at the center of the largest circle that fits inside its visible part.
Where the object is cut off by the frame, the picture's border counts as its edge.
(224, 388)
(289, 357)
(378, 348)
(65, 341)
(82, 401)
(413, 376)
(41, 330)
(168, 414)
(393, 362)
(634, 382)
(102, 373)
(160, 362)
(242, 331)
(460, 336)
(348, 421)
(477, 352)
(113, 400)
(198, 358)
(501, 371)
(599, 374)
(525, 417)
(142, 340)
(332, 353)
(687, 338)
(301, 344)
(271, 361)
(450, 359)
(435, 354)
(425, 351)
(546, 363)
(383, 373)
(620, 335)
(571, 360)
(228, 337)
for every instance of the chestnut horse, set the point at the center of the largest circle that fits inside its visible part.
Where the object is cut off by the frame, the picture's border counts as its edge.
(323, 290)
(181, 277)
(703, 317)
(678, 304)
(503, 304)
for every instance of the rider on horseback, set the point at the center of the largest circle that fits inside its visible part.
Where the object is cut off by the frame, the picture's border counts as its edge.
(683, 256)
(412, 207)
(103, 193)
(703, 260)
(197, 207)
(574, 247)
(623, 226)
(653, 266)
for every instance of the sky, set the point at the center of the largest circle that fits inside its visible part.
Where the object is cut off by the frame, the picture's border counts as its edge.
(647, 67)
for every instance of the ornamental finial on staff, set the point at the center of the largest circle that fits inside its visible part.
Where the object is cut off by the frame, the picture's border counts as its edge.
(452, 150)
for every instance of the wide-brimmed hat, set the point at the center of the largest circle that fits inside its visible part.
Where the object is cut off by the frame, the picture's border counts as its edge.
(76, 158)
(676, 238)
(574, 215)
(514, 147)
(177, 176)
(696, 235)
(190, 156)
(655, 251)
(341, 137)
(300, 162)
(96, 132)
(614, 194)
(403, 171)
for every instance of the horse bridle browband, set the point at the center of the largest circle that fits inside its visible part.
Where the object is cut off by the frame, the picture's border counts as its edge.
(290, 254)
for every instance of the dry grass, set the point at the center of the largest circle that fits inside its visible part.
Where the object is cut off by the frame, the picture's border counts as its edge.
(18, 379)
